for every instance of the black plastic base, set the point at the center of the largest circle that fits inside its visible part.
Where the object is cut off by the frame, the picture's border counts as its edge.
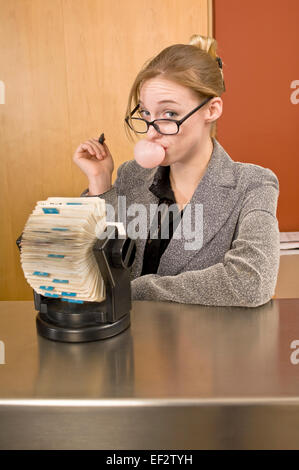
(55, 332)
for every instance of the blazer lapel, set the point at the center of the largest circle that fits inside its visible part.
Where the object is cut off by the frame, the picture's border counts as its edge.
(218, 195)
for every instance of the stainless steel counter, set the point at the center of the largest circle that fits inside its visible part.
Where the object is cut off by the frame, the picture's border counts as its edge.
(181, 377)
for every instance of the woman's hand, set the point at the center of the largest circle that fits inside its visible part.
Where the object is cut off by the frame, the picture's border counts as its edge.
(95, 160)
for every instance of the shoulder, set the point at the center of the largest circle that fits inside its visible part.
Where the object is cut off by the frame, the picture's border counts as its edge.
(255, 175)
(244, 175)
(258, 188)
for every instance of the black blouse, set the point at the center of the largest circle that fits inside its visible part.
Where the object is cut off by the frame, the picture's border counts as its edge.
(155, 247)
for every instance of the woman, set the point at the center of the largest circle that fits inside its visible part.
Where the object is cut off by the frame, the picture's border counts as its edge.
(237, 262)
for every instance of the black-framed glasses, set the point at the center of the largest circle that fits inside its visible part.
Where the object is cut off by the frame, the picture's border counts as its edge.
(163, 126)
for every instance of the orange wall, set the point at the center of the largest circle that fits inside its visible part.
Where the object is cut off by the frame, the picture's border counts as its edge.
(258, 41)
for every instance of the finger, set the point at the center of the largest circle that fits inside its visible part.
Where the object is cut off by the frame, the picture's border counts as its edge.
(91, 150)
(99, 146)
(96, 147)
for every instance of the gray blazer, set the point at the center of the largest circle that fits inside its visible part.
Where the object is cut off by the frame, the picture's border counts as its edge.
(238, 262)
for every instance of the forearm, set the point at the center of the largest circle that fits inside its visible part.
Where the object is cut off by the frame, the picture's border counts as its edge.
(210, 286)
(98, 186)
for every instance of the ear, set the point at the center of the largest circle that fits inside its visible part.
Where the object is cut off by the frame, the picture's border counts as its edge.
(214, 109)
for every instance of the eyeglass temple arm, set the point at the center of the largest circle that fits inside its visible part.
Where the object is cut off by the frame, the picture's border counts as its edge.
(194, 110)
(134, 110)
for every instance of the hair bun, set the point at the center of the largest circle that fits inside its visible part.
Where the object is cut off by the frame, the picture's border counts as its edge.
(209, 45)
(205, 43)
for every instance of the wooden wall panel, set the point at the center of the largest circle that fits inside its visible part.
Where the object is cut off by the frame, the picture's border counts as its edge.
(67, 67)
(35, 146)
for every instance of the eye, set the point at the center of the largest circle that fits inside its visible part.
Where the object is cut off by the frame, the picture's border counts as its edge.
(171, 112)
(142, 112)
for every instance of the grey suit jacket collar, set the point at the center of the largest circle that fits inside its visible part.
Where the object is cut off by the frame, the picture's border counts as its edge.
(216, 192)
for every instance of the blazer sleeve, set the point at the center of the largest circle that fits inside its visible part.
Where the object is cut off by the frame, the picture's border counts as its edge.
(248, 274)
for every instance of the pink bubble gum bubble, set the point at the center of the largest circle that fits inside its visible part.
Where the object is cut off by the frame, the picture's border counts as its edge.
(148, 154)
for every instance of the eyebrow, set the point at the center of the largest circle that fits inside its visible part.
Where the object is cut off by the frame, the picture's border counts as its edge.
(162, 101)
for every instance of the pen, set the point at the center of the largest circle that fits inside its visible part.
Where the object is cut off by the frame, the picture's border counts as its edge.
(101, 138)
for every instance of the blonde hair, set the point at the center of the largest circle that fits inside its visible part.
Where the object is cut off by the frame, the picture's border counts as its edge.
(192, 65)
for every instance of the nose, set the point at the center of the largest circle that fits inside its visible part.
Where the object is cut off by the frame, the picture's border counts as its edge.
(152, 133)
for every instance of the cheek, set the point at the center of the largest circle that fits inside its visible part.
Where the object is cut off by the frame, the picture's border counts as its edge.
(196, 124)
(186, 140)
(194, 135)
(190, 129)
